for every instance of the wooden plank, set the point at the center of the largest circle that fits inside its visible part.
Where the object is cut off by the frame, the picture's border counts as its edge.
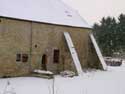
(98, 52)
(73, 53)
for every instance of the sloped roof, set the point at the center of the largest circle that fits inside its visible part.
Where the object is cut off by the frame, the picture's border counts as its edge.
(47, 11)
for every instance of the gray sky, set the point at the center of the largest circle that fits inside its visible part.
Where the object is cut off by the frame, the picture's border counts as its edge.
(93, 10)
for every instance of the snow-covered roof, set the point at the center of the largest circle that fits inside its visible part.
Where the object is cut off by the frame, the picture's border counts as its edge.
(47, 11)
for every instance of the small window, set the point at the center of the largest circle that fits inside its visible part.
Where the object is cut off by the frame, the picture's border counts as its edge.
(56, 56)
(18, 57)
(24, 57)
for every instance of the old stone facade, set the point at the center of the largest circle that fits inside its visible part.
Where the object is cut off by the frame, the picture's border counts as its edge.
(27, 45)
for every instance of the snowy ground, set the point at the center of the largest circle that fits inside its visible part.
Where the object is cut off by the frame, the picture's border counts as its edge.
(95, 82)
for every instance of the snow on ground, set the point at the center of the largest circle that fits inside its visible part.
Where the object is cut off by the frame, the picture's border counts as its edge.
(95, 82)
(99, 82)
(25, 85)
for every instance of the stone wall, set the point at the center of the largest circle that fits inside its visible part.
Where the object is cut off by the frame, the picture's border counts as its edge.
(36, 39)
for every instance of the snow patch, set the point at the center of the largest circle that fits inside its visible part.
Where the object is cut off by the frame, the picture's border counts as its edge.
(43, 72)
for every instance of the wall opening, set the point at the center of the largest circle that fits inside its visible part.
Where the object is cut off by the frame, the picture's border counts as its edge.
(44, 62)
(56, 56)
(18, 57)
(21, 57)
(24, 57)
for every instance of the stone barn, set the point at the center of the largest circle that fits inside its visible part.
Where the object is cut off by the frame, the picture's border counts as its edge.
(32, 37)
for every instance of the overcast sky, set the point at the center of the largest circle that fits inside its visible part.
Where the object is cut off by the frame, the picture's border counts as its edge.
(93, 10)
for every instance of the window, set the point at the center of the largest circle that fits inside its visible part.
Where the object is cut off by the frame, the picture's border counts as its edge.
(18, 57)
(22, 57)
(56, 56)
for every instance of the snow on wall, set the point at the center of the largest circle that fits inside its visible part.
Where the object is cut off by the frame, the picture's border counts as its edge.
(48, 11)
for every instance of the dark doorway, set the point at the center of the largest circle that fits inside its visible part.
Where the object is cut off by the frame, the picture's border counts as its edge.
(56, 56)
(44, 62)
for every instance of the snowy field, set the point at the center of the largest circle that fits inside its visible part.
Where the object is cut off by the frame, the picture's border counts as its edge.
(95, 82)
